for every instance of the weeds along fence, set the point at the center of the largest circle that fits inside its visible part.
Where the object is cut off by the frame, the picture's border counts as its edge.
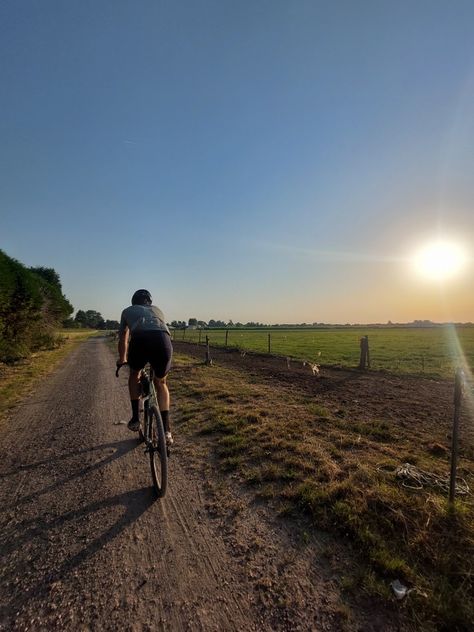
(435, 351)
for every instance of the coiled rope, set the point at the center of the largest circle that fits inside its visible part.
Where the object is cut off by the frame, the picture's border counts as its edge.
(415, 478)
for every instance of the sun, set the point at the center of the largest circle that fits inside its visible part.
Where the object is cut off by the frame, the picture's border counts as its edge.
(440, 260)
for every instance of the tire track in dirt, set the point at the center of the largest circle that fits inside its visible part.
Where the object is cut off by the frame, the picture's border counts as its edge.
(83, 544)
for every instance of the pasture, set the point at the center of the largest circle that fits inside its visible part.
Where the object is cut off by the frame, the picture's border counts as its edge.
(433, 351)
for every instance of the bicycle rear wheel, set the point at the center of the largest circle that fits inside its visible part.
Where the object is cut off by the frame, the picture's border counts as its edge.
(158, 452)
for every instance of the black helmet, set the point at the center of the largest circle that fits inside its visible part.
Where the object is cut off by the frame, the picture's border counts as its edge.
(141, 297)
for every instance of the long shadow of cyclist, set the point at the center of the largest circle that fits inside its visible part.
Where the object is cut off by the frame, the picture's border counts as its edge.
(120, 448)
(134, 504)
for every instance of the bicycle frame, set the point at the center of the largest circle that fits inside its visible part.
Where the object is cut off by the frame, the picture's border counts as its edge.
(148, 397)
(151, 430)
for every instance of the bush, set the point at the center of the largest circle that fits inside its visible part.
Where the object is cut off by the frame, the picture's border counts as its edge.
(32, 306)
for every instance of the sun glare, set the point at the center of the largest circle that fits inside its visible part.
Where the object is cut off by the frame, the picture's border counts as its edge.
(440, 260)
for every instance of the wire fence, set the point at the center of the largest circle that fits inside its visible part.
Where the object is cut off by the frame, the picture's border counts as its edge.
(409, 351)
(420, 361)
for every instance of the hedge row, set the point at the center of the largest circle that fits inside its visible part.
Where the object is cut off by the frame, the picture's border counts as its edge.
(32, 306)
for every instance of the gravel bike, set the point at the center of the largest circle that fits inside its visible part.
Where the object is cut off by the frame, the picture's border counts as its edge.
(152, 431)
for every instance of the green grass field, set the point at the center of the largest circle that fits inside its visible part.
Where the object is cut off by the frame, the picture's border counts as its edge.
(433, 351)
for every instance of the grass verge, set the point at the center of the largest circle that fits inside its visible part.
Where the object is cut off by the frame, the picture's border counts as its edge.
(339, 472)
(18, 378)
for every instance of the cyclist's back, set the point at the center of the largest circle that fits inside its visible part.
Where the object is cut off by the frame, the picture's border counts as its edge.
(143, 318)
(149, 341)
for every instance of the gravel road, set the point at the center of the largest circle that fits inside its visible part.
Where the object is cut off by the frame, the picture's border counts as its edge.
(84, 545)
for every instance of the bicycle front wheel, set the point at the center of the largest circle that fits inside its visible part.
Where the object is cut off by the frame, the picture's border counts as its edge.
(158, 452)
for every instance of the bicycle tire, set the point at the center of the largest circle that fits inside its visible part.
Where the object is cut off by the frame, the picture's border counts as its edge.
(158, 452)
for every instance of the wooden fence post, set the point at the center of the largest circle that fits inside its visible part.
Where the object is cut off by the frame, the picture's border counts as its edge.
(458, 393)
(364, 353)
(199, 337)
(269, 344)
(226, 336)
(208, 353)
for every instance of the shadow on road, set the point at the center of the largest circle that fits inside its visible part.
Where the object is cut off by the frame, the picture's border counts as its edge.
(47, 534)
(121, 448)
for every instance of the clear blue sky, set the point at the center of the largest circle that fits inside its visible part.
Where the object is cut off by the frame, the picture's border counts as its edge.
(254, 160)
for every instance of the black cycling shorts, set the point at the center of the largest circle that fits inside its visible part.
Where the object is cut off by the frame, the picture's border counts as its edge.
(153, 347)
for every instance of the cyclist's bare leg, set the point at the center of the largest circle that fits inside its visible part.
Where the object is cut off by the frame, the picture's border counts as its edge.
(163, 396)
(134, 384)
(134, 389)
(162, 393)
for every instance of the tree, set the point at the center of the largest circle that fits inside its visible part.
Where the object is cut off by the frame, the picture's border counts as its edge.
(111, 324)
(192, 322)
(178, 324)
(216, 323)
(70, 323)
(32, 307)
(90, 319)
(81, 318)
(94, 319)
(49, 274)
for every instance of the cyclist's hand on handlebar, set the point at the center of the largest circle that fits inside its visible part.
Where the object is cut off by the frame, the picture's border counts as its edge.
(119, 364)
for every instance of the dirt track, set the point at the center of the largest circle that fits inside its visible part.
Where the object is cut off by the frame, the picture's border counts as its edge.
(84, 545)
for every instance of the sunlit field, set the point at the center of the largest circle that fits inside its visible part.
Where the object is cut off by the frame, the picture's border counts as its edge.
(433, 351)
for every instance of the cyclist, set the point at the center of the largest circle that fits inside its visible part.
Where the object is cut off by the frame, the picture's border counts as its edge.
(144, 337)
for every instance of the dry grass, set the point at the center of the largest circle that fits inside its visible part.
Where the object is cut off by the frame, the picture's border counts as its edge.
(336, 471)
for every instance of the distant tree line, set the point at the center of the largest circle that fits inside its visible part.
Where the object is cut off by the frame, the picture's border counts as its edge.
(90, 319)
(32, 307)
(221, 324)
(212, 324)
